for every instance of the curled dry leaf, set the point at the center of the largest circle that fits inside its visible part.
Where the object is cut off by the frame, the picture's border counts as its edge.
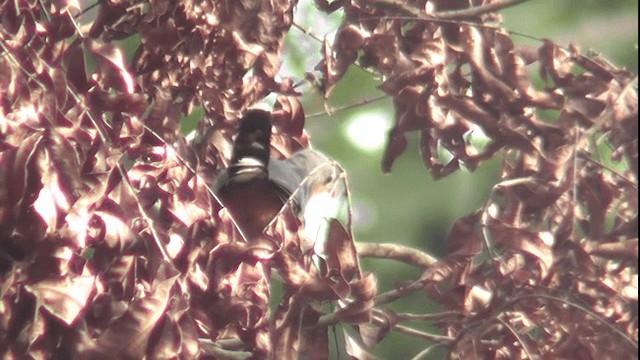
(64, 298)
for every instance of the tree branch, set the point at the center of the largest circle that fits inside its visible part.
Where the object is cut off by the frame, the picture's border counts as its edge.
(397, 293)
(430, 317)
(397, 252)
(422, 335)
(451, 14)
(476, 10)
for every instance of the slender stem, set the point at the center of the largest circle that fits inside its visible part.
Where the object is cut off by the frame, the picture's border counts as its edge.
(430, 317)
(578, 307)
(422, 335)
(451, 14)
(524, 345)
(398, 293)
(307, 32)
(477, 10)
(425, 352)
(145, 214)
(398, 252)
(608, 168)
(193, 171)
(346, 107)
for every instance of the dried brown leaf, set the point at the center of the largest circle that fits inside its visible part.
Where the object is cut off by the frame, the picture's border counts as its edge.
(64, 297)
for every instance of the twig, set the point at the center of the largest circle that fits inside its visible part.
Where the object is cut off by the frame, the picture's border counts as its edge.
(577, 306)
(608, 168)
(320, 39)
(145, 214)
(525, 348)
(384, 298)
(476, 10)
(397, 293)
(307, 32)
(87, 9)
(193, 171)
(44, 10)
(75, 24)
(574, 185)
(425, 352)
(398, 252)
(423, 335)
(19, 65)
(213, 348)
(430, 317)
(451, 14)
(401, 6)
(335, 317)
(346, 107)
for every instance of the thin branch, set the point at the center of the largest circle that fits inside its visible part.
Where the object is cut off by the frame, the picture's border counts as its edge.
(75, 24)
(477, 10)
(425, 352)
(321, 40)
(574, 185)
(525, 348)
(451, 14)
(397, 252)
(430, 317)
(619, 250)
(213, 348)
(307, 32)
(193, 171)
(577, 306)
(18, 64)
(608, 168)
(87, 9)
(398, 293)
(401, 5)
(454, 22)
(384, 298)
(423, 335)
(148, 219)
(336, 316)
(44, 10)
(347, 190)
(233, 344)
(346, 107)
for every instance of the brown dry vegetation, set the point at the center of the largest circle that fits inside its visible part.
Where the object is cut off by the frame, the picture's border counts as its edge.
(112, 246)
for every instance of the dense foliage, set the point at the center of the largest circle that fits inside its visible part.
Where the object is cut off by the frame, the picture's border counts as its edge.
(112, 245)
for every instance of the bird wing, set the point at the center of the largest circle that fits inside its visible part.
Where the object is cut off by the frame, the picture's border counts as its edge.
(301, 174)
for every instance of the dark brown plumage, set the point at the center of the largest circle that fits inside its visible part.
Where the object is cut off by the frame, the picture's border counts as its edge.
(255, 187)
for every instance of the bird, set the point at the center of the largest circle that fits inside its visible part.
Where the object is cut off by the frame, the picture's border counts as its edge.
(255, 187)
